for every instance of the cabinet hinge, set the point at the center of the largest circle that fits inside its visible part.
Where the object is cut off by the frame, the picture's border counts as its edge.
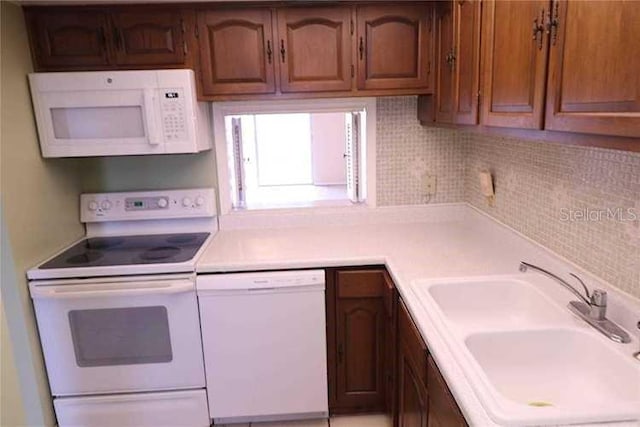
(428, 67)
(184, 38)
(353, 70)
(352, 27)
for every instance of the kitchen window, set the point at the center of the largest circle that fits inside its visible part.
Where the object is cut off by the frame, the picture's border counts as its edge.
(293, 154)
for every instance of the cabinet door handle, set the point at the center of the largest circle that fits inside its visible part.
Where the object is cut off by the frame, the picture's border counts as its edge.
(538, 29)
(553, 22)
(282, 50)
(340, 353)
(451, 59)
(269, 51)
(361, 48)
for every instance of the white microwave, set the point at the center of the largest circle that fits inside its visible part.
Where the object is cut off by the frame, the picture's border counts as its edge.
(115, 113)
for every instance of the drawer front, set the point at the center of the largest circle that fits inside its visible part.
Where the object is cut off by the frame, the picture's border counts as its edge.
(186, 408)
(360, 284)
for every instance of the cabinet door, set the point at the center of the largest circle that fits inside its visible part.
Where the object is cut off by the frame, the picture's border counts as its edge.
(394, 46)
(149, 37)
(443, 409)
(458, 58)
(412, 394)
(445, 73)
(391, 337)
(236, 51)
(68, 38)
(360, 341)
(514, 63)
(594, 68)
(412, 373)
(314, 49)
(466, 60)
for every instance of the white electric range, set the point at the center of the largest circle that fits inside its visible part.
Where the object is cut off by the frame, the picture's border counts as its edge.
(117, 311)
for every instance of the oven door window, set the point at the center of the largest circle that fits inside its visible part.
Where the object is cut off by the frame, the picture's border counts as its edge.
(121, 336)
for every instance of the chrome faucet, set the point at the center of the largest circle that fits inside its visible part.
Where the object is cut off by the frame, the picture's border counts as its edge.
(592, 308)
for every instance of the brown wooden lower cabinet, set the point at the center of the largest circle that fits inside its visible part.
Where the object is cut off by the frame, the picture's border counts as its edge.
(424, 398)
(413, 405)
(377, 359)
(360, 331)
(443, 410)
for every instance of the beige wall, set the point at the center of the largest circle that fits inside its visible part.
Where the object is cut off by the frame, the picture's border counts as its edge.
(11, 407)
(130, 173)
(40, 211)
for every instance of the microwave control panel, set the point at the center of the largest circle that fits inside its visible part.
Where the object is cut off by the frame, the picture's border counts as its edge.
(172, 104)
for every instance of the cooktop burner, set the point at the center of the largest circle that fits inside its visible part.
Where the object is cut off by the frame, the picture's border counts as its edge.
(129, 250)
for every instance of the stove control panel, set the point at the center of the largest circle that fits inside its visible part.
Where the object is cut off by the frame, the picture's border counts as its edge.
(148, 205)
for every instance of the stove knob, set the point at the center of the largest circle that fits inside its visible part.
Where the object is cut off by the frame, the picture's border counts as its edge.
(105, 205)
(93, 205)
(163, 203)
(186, 202)
(199, 201)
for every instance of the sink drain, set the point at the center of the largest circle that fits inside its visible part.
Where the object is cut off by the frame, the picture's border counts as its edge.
(539, 404)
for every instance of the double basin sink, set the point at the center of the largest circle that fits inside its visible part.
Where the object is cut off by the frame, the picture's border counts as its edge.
(530, 361)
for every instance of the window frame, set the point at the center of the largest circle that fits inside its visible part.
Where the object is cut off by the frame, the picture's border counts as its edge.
(221, 109)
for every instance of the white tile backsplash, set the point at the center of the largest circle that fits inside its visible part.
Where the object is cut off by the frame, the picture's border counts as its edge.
(583, 203)
(538, 184)
(407, 151)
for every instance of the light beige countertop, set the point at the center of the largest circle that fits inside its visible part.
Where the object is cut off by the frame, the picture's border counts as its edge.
(415, 243)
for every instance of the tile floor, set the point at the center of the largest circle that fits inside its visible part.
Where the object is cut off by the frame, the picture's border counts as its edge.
(337, 421)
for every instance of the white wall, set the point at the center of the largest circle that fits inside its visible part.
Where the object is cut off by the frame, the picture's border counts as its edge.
(327, 149)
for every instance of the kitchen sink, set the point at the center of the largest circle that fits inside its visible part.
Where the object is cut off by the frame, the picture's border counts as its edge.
(558, 373)
(528, 358)
(510, 302)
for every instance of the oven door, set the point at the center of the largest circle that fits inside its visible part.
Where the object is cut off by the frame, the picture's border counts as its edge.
(103, 336)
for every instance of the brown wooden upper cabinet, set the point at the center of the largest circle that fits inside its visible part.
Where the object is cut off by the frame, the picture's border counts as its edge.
(360, 321)
(394, 46)
(594, 67)
(514, 63)
(149, 37)
(68, 38)
(237, 51)
(257, 50)
(73, 38)
(457, 59)
(314, 49)
(591, 78)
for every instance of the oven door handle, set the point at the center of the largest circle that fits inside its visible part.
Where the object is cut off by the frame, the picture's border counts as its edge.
(112, 290)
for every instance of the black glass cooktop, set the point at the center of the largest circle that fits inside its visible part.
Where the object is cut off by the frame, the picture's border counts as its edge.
(129, 250)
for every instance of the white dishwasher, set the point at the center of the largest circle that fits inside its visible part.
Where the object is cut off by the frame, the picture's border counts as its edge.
(264, 339)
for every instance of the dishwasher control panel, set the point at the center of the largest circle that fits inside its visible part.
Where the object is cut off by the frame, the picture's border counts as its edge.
(272, 280)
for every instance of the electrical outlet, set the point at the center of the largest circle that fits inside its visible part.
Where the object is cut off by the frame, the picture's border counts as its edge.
(430, 184)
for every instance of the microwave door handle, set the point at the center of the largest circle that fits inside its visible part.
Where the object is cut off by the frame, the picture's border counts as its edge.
(83, 291)
(150, 117)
